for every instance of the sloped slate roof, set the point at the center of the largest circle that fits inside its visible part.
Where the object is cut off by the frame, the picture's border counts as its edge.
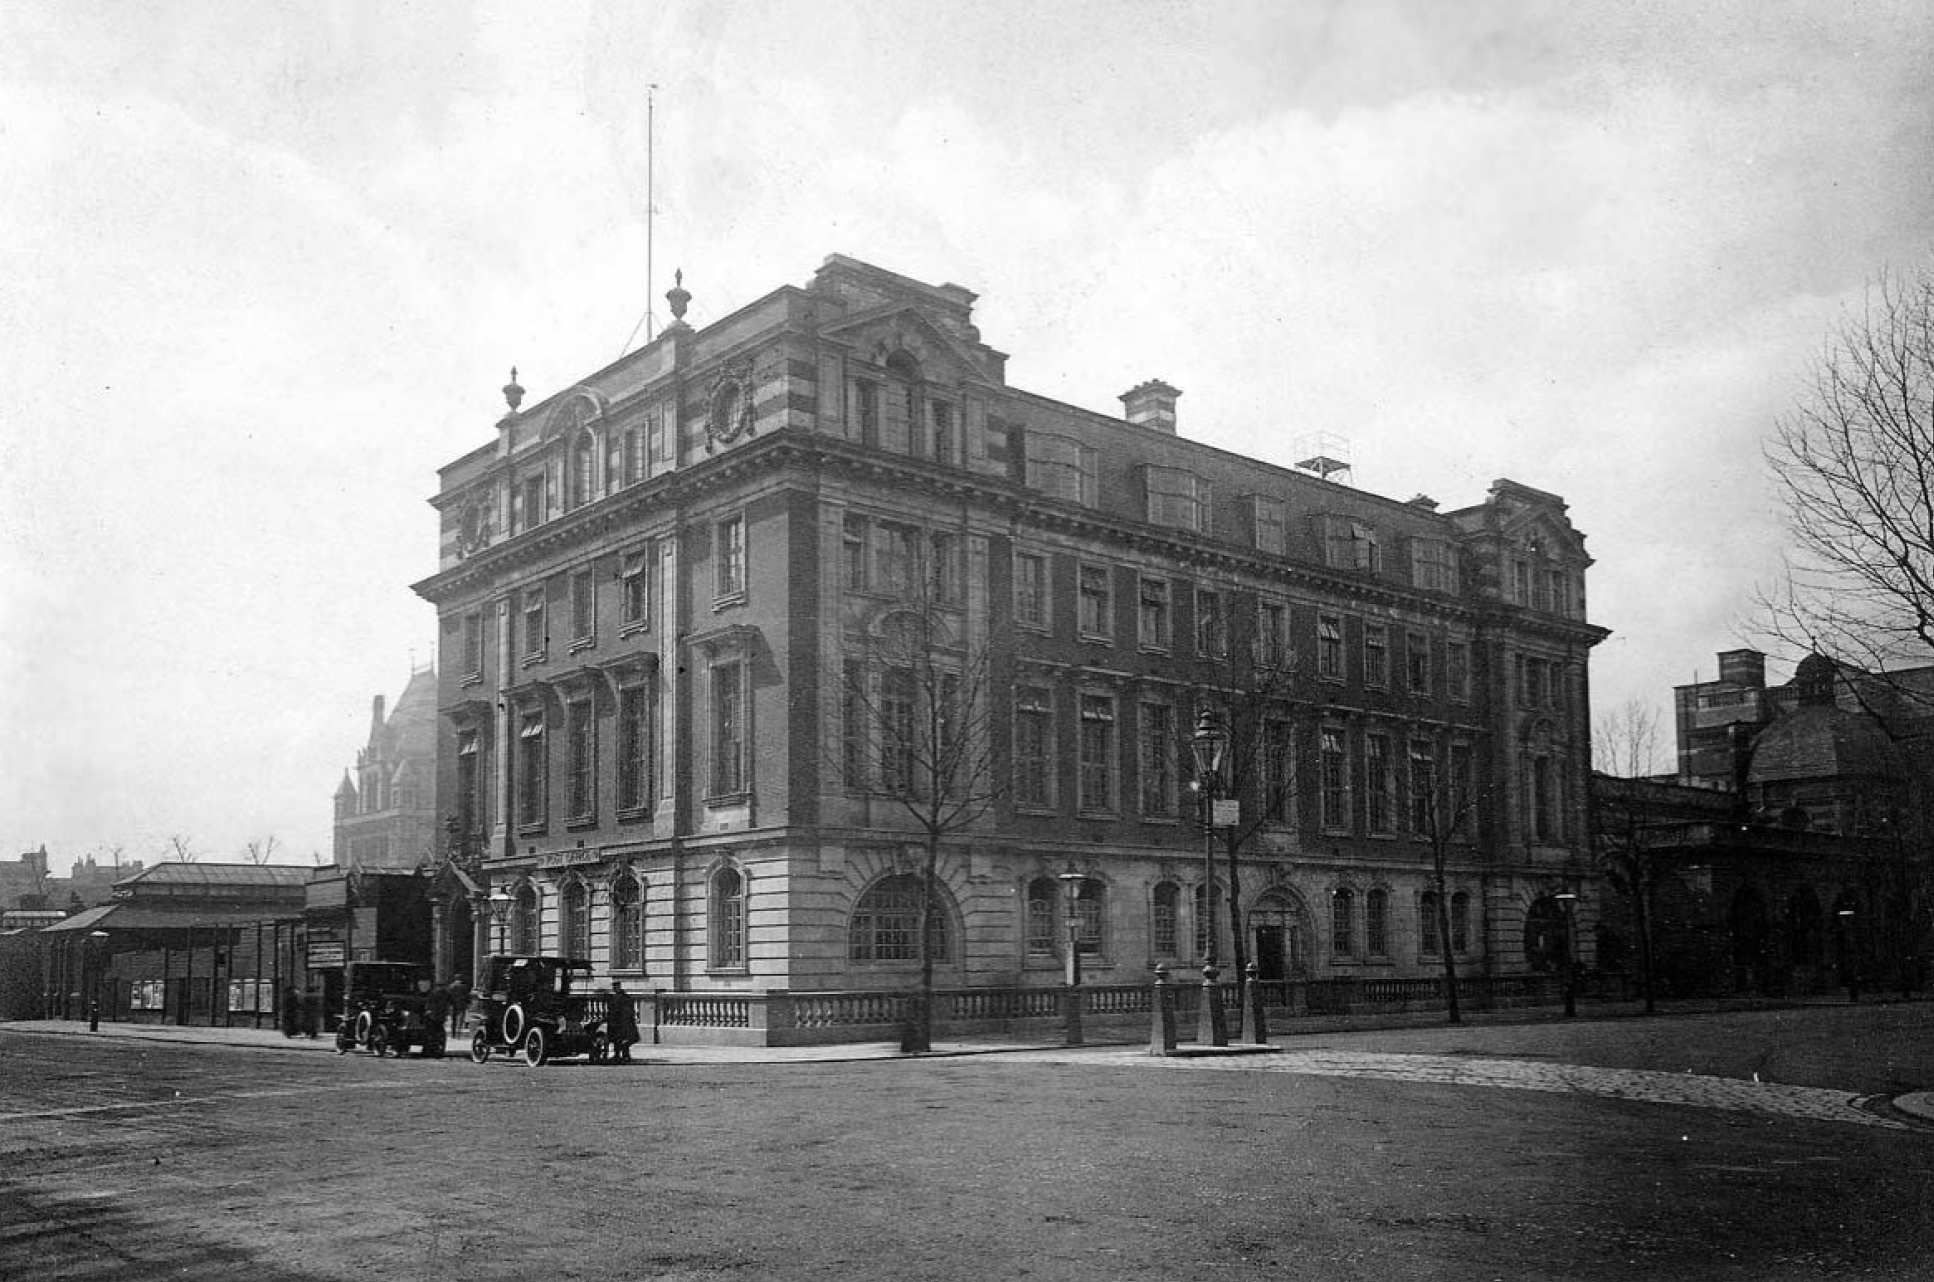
(176, 873)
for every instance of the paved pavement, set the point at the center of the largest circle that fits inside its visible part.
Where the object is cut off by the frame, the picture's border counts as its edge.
(1913, 1111)
(1692, 1089)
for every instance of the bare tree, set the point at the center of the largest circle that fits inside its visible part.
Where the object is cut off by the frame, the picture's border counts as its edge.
(1853, 465)
(1253, 700)
(913, 730)
(263, 851)
(1627, 839)
(181, 849)
(1444, 806)
(1625, 740)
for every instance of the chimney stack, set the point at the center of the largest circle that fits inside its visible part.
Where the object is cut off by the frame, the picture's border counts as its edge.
(1151, 404)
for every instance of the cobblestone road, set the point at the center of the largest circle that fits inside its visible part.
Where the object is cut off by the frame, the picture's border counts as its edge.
(1811, 1103)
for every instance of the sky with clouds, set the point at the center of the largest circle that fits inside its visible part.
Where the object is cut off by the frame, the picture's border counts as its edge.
(265, 267)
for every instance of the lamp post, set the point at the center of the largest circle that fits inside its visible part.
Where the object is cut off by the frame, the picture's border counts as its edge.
(1570, 899)
(96, 939)
(1849, 955)
(500, 902)
(1208, 744)
(1071, 898)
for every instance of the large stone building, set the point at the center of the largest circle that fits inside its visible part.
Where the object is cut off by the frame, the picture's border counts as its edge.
(386, 806)
(654, 584)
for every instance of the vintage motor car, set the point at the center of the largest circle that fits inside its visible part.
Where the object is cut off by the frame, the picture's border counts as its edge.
(389, 1007)
(538, 1008)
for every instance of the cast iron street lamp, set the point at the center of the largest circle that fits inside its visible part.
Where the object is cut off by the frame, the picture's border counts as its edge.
(500, 911)
(1071, 895)
(1208, 744)
(1569, 899)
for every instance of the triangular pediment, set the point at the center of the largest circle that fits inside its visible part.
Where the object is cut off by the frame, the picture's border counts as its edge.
(902, 329)
(1542, 534)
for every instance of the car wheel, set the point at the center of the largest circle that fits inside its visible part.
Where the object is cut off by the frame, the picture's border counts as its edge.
(378, 1041)
(479, 1047)
(364, 1021)
(537, 1048)
(514, 1022)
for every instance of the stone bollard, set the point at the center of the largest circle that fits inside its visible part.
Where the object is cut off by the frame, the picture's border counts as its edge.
(1255, 1027)
(1161, 1030)
(1212, 1025)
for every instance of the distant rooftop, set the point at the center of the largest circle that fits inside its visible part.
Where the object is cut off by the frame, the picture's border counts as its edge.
(179, 874)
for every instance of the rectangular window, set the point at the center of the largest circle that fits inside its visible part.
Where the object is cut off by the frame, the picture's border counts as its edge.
(1097, 602)
(1158, 761)
(728, 551)
(634, 748)
(1162, 920)
(1278, 764)
(1376, 655)
(1376, 922)
(1351, 545)
(1342, 923)
(1534, 678)
(1457, 670)
(1269, 525)
(533, 770)
(470, 777)
(1543, 808)
(1335, 763)
(634, 587)
(1211, 625)
(866, 400)
(853, 553)
(1272, 634)
(1030, 590)
(1097, 752)
(473, 644)
(945, 446)
(896, 729)
(583, 729)
(1521, 582)
(1416, 660)
(1423, 787)
(1460, 922)
(534, 501)
(1153, 617)
(1427, 922)
(853, 706)
(1463, 794)
(1558, 592)
(584, 611)
(943, 564)
(728, 731)
(660, 442)
(1062, 468)
(1034, 747)
(534, 632)
(1329, 647)
(1177, 499)
(1433, 565)
(1376, 784)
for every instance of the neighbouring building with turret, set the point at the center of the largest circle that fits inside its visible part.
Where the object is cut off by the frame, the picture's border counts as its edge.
(386, 805)
(658, 587)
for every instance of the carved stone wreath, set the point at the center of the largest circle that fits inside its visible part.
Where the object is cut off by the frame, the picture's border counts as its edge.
(729, 405)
